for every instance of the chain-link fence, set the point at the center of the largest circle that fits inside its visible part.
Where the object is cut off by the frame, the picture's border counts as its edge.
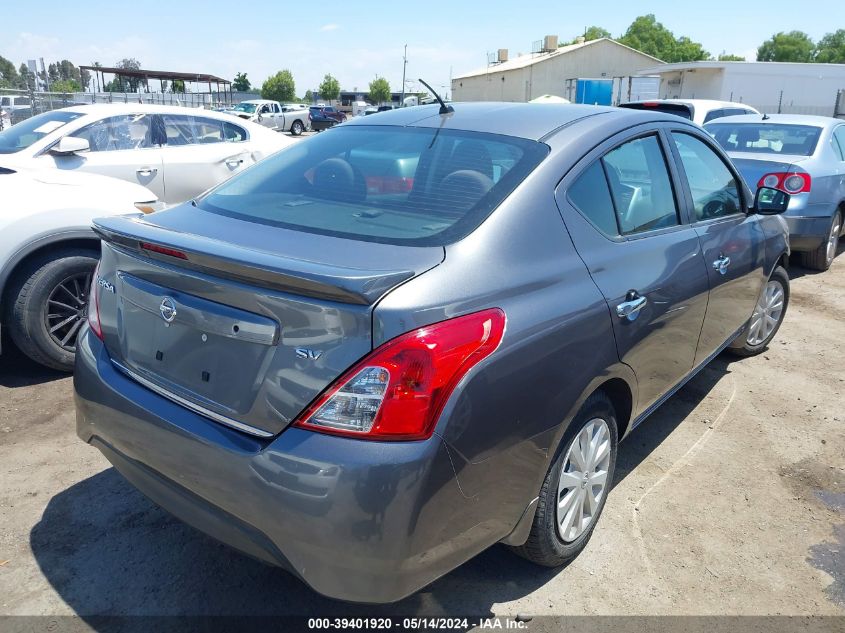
(17, 105)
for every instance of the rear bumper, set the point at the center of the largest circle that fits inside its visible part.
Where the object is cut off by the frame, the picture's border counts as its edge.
(807, 233)
(322, 125)
(356, 520)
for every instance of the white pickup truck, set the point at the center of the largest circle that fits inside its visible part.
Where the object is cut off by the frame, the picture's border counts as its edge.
(272, 114)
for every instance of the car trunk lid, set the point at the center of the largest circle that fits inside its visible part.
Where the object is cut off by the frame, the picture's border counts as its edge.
(754, 166)
(243, 323)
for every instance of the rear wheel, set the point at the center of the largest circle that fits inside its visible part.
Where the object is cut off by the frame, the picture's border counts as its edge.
(297, 128)
(47, 307)
(768, 315)
(575, 488)
(822, 257)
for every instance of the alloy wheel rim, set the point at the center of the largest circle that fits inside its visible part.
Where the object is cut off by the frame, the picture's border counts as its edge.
(583, 480)
(65, 311)
(833, 239)
(767, 314)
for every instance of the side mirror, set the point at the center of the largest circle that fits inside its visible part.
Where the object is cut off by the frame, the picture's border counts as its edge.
(768, 201)
(70, 145)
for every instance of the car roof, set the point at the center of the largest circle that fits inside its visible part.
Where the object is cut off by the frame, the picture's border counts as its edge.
(526, 120)
(795, 119)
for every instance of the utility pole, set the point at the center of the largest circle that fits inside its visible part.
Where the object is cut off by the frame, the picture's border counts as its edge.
(404, 66)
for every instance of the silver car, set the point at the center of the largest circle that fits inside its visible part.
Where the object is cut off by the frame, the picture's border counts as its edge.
(803, 156)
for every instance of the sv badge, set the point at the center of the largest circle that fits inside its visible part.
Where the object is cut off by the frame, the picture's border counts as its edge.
(307, 354)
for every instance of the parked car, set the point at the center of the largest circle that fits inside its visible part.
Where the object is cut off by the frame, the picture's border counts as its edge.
(272, 115)
(48, 251)
(371, 387)
(370, 110)
(15, 103)
(185, 151)
(320, 120)
(697, 110)
(330, 112)
(803, 156)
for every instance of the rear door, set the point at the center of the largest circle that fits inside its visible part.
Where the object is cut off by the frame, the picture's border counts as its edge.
(625, 221)
(121, 147)
(200, 152)
(731, 239)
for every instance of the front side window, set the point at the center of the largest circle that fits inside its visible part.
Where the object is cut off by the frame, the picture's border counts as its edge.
(414, 186)
(124, 132)
(640, 186)
(714, 189)
(766, 138)
(839, 142)
(23, 134)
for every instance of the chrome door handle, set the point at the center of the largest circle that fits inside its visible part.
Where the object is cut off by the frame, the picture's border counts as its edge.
(146, 171)
(722, 264)
(234, 162)
(630, 308)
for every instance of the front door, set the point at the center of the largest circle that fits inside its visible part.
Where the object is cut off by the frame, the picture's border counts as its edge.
(624, 220)
(731, 240)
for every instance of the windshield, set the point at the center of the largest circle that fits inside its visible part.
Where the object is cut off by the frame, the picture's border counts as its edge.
(766, 138)
(245, 107)
(23, 134)
(413, 186)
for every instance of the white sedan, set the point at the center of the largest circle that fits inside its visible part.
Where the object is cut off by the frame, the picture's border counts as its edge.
(175, 152)
(48, 252)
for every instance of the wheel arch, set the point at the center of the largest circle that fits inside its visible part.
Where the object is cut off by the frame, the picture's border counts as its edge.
(83, 239)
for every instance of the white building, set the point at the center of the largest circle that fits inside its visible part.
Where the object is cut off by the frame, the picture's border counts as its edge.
(768, 86)
(555, 71)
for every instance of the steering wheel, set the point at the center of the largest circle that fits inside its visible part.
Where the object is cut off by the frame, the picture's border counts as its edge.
(712, 209)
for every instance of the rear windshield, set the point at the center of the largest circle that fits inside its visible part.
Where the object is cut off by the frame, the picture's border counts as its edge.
(23, 134)
(412, 186)
(678, 109)
(766, 138)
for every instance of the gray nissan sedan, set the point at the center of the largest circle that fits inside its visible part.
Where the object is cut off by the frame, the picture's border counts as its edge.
(379, 352)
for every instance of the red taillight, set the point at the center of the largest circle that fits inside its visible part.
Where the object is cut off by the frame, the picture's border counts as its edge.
(163, 250)
(94, 304)
(398, 391)
(785, 181)
(389, 184)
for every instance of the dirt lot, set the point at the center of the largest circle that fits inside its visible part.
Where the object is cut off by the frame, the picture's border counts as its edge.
(730, 499)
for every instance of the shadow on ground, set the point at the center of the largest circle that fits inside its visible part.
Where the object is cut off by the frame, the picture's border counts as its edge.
(17, 370)
(107, 550)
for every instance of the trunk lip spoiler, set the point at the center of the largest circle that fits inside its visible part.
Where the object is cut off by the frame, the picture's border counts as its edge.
(352, 286)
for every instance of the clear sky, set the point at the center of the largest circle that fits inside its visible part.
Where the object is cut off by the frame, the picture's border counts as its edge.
(357, 40)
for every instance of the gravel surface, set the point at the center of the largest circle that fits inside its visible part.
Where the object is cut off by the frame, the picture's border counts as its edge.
(729, 500)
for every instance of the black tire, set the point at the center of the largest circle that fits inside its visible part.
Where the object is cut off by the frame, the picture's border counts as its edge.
(746, 349)
(27, 314)
(545, 545)
(296, 128)
(819, 258)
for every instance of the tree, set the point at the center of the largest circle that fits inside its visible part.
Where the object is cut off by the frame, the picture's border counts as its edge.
(241, 83)
(795, 46)
(379, 90)
(66, 85)
(27, 78)
(648, 35)
(831, 48)
(309, 97)
(8, 75)
(591, 33)
(279, 87)
(177, 86)
(127, 84)
(330, 88)
(730, 58)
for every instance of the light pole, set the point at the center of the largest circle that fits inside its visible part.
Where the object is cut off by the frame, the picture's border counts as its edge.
(404, 66)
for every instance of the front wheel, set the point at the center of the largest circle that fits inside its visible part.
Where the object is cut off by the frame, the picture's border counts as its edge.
(576, 486)
(296, 129)
(47, 307)
(768, 315)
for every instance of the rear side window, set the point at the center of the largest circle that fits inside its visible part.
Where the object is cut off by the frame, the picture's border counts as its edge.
(839, 142)
(715, 114)
(766, 138)
(628, 191)
(414, 186)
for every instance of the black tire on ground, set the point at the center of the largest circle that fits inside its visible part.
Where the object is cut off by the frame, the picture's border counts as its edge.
(27, 309)
(296, 128)
(819, 259)
(544, 545)
(780, 276)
